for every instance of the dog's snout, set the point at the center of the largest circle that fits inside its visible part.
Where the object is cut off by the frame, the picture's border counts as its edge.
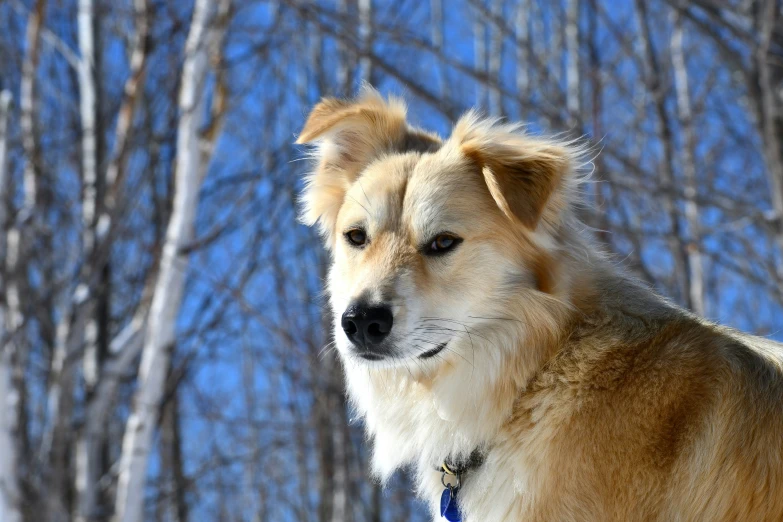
(367, 326)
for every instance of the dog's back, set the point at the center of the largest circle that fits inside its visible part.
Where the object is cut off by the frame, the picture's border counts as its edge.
(654, 416)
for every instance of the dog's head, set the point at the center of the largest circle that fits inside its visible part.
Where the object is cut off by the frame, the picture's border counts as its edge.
(430, 238)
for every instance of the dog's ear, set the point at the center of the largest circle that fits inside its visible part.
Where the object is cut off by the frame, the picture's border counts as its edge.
(530, 178)
(350, 134)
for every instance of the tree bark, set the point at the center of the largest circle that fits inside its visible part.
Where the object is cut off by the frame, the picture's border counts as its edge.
(366, 35)
(344, 76)
(9, 481)
(573, 101)
(494, 61)
(480, 57)
(87, 473)
(436, 37)
(768, 85)
(193, 155)
(89, 447)
(522, 36)
(27, 104)
(688, 151)
(25, 223)
(171, 459)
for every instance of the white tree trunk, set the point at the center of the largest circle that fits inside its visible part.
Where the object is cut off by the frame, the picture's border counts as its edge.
(436, 35)
(92, 184)
(495, 60)
(5, 110)
(522, 25)
(88, 108)
(770, 107)
(340, 477)
(344, 79)
(572, 62)
(480, 56)
(27, 104)
(366, 35)
(191, 163)
(9, 483)
(87, 470)
(695, 264)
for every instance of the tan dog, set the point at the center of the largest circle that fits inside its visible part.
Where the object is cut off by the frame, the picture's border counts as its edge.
(478, 326)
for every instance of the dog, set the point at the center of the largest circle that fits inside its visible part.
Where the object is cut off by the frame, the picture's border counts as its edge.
(491, 346)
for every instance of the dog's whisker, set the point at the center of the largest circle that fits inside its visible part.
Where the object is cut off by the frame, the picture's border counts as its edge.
(455, 352)
(461, 332)
(327, 348)
(498, 319)
(369, 215)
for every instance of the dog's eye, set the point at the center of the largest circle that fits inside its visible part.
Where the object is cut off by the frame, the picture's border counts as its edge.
(442, 243)
(356, 237)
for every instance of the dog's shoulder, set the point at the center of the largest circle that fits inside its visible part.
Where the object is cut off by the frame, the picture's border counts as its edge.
(666, 394)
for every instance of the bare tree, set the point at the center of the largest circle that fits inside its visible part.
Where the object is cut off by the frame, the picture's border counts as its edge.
(366, 30)
(9, 481)
(767, 78)
(194, 152)
(480, 55)
(522, 44)
(695, 266)
(494, 61)
(573, 91)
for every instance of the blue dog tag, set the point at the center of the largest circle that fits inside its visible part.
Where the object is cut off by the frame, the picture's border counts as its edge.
(448, 505)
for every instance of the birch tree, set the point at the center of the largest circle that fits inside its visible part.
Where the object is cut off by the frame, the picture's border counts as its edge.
(366, 35)
(495, 60)
(194, 151)
(9, 481)
(695, 265)
(480, 55)
(573, 90)
(522, 44)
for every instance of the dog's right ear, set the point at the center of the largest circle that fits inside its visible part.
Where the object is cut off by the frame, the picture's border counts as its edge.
(349, 136)
(533, 180)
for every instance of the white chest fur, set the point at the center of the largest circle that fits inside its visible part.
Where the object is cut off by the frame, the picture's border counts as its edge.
(423, 422)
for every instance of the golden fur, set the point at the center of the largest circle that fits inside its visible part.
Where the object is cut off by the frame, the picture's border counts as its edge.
(592, 397)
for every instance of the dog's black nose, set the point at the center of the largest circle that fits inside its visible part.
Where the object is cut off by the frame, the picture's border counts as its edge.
(367, 326)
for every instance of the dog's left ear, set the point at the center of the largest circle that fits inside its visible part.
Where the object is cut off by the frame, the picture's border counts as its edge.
(350, 135)
(530, 178)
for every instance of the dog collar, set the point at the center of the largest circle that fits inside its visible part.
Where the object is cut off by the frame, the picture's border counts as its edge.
(455, 470)
(460, 467)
